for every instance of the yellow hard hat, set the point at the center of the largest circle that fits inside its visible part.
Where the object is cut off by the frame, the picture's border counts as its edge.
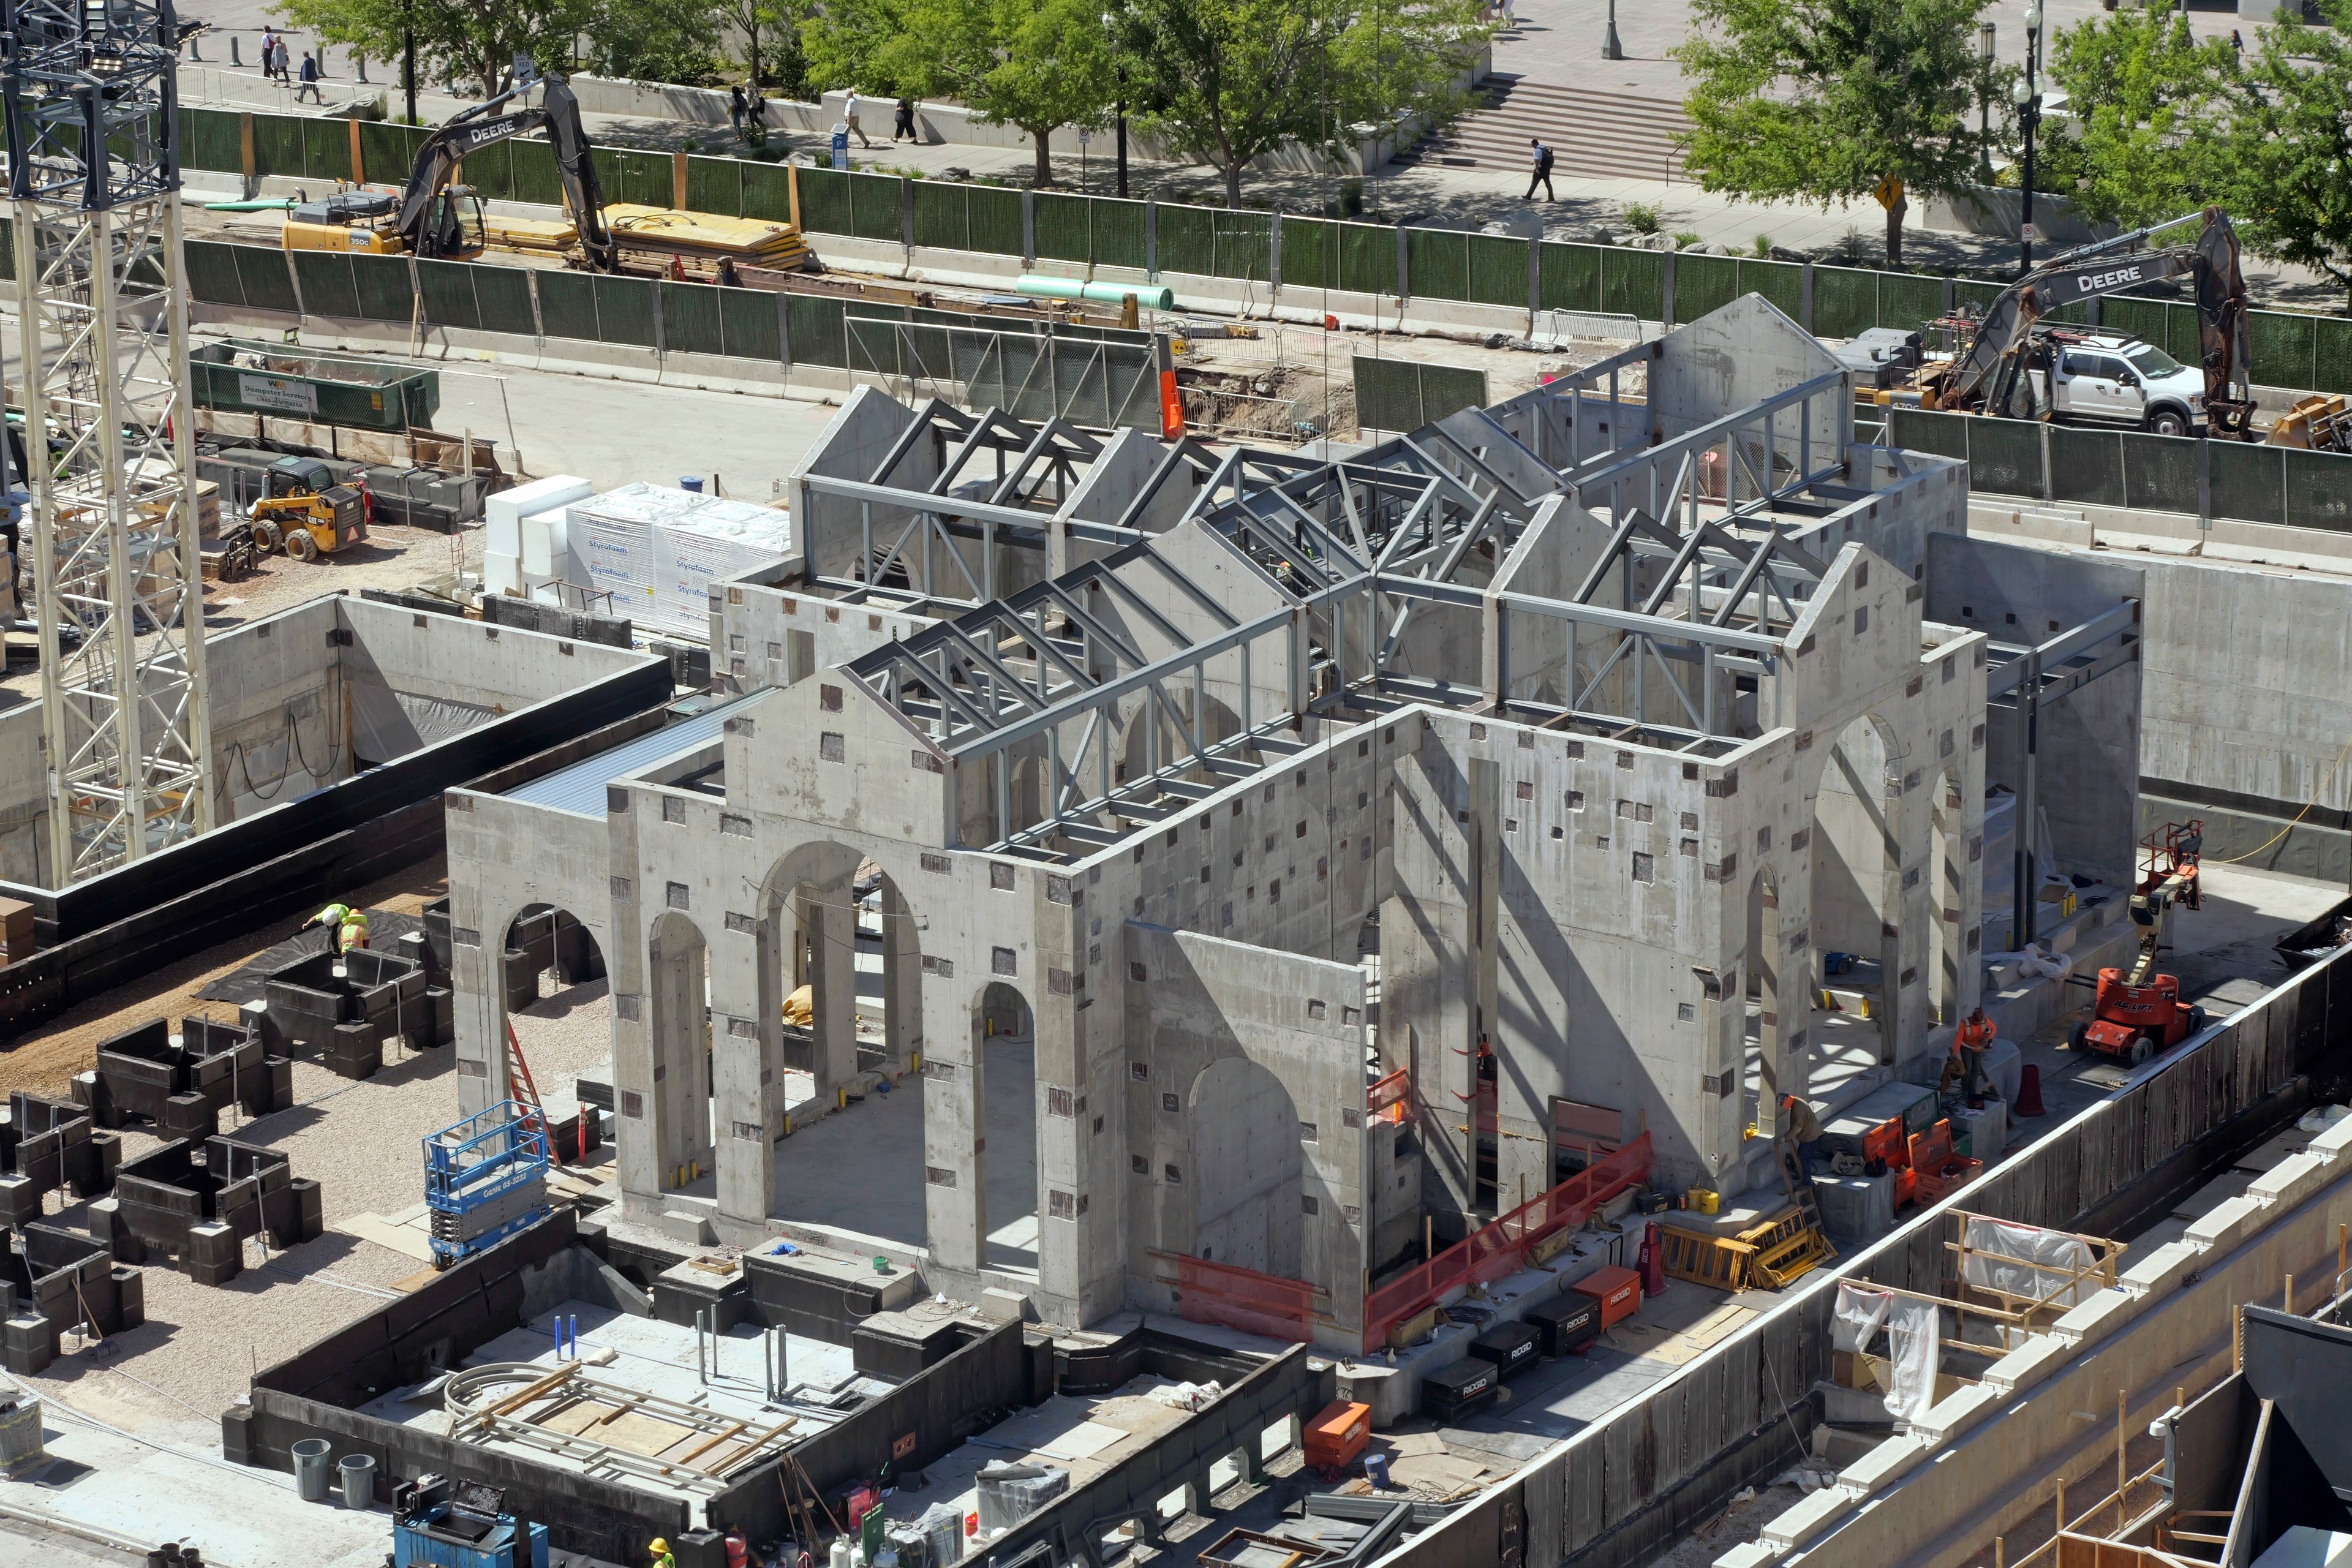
(660, 1545)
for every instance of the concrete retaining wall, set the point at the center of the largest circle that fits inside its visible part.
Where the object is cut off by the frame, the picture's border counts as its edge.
(1623, 1490)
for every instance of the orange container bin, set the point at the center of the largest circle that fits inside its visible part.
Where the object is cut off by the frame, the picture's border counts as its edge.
(1940, 1170)
(1338, 1435)
(1618, 1292)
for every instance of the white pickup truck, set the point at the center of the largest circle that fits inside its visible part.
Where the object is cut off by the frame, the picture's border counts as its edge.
(2108, 379)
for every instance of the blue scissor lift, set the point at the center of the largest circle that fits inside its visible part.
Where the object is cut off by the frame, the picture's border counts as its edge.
(485, 1179)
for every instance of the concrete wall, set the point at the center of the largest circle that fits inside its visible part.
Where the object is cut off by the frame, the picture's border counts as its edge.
(2088, 783)
(24, 797)
(773, 633)
(1263, 1164)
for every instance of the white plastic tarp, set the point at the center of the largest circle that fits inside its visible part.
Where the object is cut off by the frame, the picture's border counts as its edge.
(1914, 1338)
(2045, 1262)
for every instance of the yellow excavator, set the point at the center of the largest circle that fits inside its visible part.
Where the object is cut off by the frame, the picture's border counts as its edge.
(437, 219)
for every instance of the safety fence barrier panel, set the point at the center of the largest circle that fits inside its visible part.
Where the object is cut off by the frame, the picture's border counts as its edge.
(2289, 349)
(1624, 1489)
(1099, 376)
(1499, 1248)
(1243, 1299)
(2074, 465)
(1404, 395)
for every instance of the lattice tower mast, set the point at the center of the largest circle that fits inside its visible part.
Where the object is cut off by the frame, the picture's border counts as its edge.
(90, 100)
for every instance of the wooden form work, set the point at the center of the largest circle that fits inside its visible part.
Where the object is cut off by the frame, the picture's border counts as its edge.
(574, 1415)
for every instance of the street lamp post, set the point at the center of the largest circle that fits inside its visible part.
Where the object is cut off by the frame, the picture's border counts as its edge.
(1984, 103)
(1110, 31)
(1611, 50)
(2026, 94)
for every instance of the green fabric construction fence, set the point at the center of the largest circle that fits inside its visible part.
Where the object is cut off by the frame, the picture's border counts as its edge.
(1274, 250)
(1100, 376)
(2067, 464)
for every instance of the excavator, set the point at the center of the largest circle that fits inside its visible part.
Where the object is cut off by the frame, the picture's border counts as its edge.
(2140, 1014)
(437, 219)
(1993, 374)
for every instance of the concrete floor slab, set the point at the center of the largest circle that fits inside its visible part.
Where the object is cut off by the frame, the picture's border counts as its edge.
(859, 1173)
(1063, 1432)
(240, 1518)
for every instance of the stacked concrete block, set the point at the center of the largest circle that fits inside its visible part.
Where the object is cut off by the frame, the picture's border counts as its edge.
(58, 1280)
(46, 1144)
(179, 1080)
(199, 1202)
(346, 1006)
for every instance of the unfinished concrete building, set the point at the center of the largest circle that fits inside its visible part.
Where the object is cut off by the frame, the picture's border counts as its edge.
(1221, 876)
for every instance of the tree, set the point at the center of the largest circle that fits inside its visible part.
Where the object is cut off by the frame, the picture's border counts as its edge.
(1823, 99)
(2143, 140)
(1035, 63)
(2286, 160)
(769, 32)
(1227, 81)
(843, 41)
(657, 40)
(470, 40)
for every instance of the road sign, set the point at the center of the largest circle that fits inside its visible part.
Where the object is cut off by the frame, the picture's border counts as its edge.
(2032, 232)
(1890, 192)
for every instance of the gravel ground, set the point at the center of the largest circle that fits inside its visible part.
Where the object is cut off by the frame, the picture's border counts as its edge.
(45, 1064)
(565, 1033)
(197, 1352)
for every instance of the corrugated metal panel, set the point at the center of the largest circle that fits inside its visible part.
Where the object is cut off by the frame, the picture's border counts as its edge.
(580, 788)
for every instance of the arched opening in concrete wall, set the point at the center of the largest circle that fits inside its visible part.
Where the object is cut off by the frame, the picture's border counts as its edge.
(1852, 915)
(555, 997)
(843, 955)
(678, 990)
(1760, 985)
(840, 965)
(1247, 1169)
(1004, 1041)
(1948, 867)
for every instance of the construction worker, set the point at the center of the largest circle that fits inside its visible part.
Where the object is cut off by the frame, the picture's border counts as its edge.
(1969, 1043)
(349, 925)
(1802, 1128)
(662, 1558)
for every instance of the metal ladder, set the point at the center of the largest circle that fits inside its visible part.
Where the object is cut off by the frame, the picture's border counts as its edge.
(521, 1089)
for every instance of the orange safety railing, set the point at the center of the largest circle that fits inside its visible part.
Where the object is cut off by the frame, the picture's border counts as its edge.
(1243, 1299)
(1390, 1099)
(1495, 1251)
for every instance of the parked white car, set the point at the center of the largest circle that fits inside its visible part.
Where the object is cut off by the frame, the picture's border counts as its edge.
(2108, 379)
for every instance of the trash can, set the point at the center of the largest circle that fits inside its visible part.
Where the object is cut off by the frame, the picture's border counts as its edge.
(359, 1480)
(313, 1468)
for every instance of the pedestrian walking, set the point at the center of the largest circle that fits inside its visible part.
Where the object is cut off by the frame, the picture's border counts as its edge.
(2237, 41)
(905, 124)
(284, 75)
(735, 108)
(310, 79)
(269, 51)
(849, 117)
(1539, 169)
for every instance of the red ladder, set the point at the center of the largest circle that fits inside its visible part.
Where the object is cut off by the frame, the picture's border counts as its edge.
(521, 1087)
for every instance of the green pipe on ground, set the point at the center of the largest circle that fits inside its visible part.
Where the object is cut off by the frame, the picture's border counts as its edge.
(1148, 296)
(268, 204)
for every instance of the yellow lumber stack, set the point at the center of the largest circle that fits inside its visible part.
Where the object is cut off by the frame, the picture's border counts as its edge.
(757, 242)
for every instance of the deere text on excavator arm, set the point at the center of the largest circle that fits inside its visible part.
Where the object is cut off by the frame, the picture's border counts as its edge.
(1991, 374)
(557, 113)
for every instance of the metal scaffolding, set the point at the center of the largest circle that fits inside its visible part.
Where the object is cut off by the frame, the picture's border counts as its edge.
(94, 184)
